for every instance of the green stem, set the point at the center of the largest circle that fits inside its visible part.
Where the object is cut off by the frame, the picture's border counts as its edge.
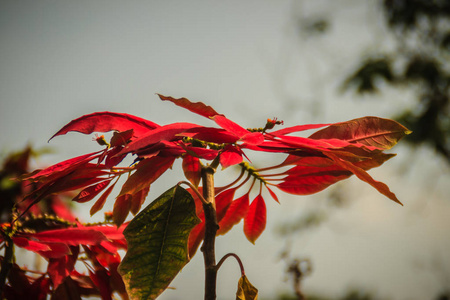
(211, 227)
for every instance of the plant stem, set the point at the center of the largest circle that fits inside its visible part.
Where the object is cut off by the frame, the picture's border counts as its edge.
(7, 262)
(211, 228)
(241, 266)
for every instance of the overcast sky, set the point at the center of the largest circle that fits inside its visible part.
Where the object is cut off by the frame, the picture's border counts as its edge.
(251, 61)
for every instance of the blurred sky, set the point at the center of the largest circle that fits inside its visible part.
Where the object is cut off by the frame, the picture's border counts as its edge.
(250, 60)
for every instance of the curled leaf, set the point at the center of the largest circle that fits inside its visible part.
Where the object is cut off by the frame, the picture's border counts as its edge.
(107, 121)
(195, 107)
(246, 291)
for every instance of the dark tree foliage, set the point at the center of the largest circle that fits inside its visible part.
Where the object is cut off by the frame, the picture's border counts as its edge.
(420, 62)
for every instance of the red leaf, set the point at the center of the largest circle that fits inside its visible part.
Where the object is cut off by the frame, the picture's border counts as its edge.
(196, 236)
(370, 131)
(364, 176)
(121, 209)
(111, 232)
(255, 220)
(230, 156)
(70, 236)
(311, 183)
(30, 245)
(138, 199)
(108, 121)
(112, 159)
(164, 133)
(230, 126)
(101, 281)
(210, 134)
(64, 167)
(253, 138)
(147, 171)
(90, 192)
(101, 200)
(297, 128)
(192, 169)
(274, 196)
(59, 268)
(62, 209)
(195, 107)
(56, 250)
(204, 153)
(223, 201)
(40, 288)
(236, 211)
(121, 138)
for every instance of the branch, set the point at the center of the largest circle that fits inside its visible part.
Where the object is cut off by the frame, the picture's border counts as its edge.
(241, 266)
(211, 227)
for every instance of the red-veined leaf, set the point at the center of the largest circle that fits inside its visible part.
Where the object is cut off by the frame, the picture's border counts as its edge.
(255, 220)
(364, 176)
(147, 171)
(236, 211)
(196, 107)
(108, 121)
(101, 200)
(192, 169)
(90, 192)
(121, 209)
(371, 131)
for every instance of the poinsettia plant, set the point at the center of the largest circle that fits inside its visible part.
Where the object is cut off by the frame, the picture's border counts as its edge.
(163, 237)
(52, 231)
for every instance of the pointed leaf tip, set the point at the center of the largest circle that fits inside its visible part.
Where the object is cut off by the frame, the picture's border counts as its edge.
(196, 107)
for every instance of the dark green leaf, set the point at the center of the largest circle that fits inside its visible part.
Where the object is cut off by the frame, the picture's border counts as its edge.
(157, 244)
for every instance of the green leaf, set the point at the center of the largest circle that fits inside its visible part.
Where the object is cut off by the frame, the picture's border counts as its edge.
(157, 244)
(246, 291)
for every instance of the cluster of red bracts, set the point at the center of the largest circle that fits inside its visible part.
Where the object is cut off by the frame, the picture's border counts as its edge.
(331, 154)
